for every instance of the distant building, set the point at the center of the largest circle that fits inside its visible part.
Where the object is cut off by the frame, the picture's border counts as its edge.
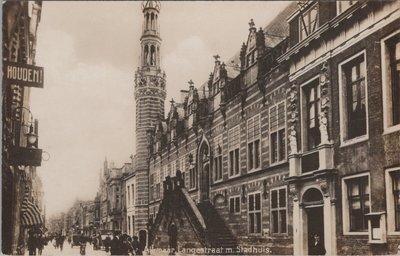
(112, 197)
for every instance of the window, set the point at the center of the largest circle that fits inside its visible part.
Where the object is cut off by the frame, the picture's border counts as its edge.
(218, 158)
(151, 195)
(253, 142)
(165, 171)
(393, 200)
(234, 204)
(128, 198)
(313, 109)
(172, 173)
(396, 196)
(254, 213)
(353, 99)
(344, 5)
(356, 203)
(192, 170)
(193, 177)
(234, 143)
(277, 123)
(308, 22)
(391, 81)
(133, 195)
(278, 211)
(182, 164)
(129, 224)
(158, 185)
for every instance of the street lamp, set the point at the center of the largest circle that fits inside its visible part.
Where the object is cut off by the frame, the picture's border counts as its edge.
(29, 154)
(31, 138)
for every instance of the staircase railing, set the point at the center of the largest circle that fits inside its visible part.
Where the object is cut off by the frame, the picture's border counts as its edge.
(194, 217)
(176, 201)
(157, 222)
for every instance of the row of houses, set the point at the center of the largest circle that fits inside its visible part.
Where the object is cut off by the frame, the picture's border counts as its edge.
(297, 135)
(105, 213)
(23, 209)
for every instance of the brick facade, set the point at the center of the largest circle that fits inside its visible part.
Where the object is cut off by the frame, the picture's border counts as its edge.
(248, 142)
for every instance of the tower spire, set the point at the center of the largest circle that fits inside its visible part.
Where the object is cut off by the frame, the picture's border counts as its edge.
(150, 95)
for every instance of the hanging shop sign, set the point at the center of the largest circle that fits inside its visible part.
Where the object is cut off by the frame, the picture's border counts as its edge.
(23, 74)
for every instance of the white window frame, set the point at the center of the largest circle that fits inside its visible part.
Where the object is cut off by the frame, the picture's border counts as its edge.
(390, 201)
(173, 169)
(165, 170)
(300, 19)
(277, 131)
(254, 211)
(234, 205)
(128, 198)
(218, 139)
(193, 170)
(278, 208)
(258, 116)
(133, 194)
(385, 84)
(233, 148)
(303, 123)
(339, 6)
(192, 175)
(342, 115)
(345, 204)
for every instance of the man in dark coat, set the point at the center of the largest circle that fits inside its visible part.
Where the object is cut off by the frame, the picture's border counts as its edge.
(107, 243)
(32, 244)
(173, 235)
(136, 246)
(115, 246)
(317, 248)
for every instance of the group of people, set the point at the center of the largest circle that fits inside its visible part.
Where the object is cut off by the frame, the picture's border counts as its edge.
(36, 243)
(58, 241)
(123, 245)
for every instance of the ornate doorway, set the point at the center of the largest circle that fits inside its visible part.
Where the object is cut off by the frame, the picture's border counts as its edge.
(313, 204)
(204, 170)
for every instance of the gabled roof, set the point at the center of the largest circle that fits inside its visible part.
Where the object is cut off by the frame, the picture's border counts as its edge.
(275, 31)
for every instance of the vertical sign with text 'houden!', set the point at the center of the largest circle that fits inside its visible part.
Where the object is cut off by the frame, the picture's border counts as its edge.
(23, 74)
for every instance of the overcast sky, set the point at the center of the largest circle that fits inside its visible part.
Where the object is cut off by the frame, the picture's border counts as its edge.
(90, 50)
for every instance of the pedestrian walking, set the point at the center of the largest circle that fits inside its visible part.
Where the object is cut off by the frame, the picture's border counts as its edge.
(32, 244)
(40, 244)
(136, 246)
(107, 243)
(173, 235)
(115, 246)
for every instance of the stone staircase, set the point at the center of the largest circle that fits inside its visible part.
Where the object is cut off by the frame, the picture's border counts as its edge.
(204, 224)
(217, 232)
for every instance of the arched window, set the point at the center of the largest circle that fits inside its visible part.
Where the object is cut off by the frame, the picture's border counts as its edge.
(158, 55)
(147, 21)
(146, 55)
(152, 20)
(153, 55)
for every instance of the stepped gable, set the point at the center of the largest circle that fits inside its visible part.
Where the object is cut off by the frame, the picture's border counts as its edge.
(275, 31)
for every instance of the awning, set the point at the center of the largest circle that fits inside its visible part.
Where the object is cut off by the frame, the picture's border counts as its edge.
(30, 213)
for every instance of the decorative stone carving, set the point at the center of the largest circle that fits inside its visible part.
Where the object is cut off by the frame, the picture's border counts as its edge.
(323, 118)
(292, 98)
(293, 192)
(243, 97)
(323, 183)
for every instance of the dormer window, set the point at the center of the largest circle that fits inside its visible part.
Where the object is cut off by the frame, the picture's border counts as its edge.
(251, 58)
(344, 5)
(308, 21)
